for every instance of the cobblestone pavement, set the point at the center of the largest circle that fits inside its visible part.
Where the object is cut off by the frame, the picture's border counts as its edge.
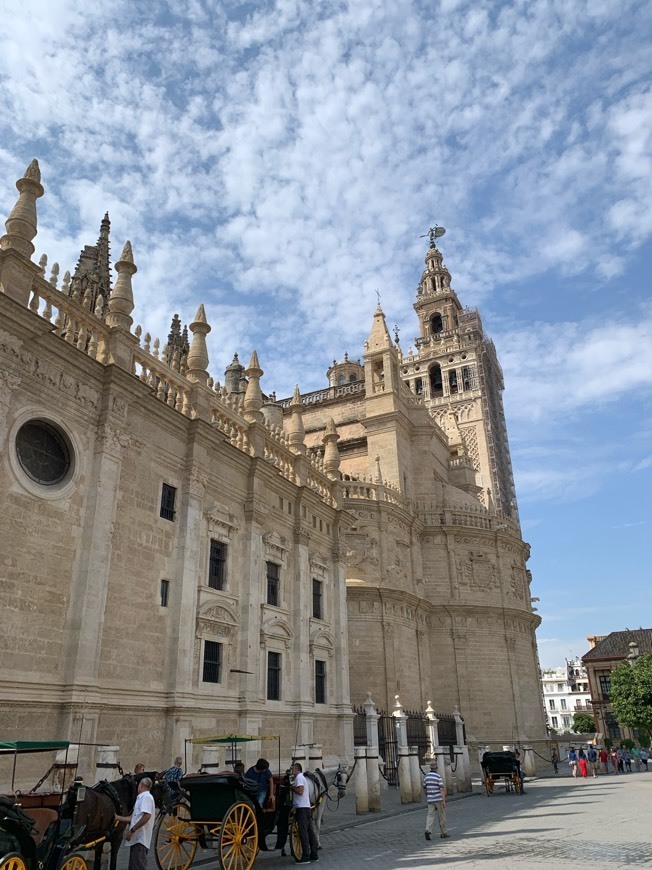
(601, 823)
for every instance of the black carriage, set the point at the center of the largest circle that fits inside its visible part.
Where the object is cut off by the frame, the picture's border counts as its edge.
(34, 834)
(501, 767)
(215, 810)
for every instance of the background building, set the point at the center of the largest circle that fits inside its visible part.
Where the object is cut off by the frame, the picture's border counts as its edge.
(184, 558)
(565, 692)
(606, 653)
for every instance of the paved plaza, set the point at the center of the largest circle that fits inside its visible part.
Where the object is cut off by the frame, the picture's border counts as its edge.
(559, 822)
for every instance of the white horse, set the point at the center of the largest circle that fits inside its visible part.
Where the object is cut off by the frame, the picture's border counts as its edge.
(319, 784)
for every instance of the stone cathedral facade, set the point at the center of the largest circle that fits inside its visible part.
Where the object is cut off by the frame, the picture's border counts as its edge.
(182, 558)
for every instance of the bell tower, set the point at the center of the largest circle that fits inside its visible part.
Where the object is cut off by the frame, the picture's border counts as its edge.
(456, 372)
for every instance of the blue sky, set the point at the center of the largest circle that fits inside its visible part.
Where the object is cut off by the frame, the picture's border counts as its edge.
(278, 162)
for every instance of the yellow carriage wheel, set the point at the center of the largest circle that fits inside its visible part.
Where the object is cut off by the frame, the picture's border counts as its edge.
(296, 847)
(12, 861)
(175, 839)
(237, 845)
(74, 862)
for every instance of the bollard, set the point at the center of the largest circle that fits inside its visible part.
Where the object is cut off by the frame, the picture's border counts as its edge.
(416, 777)
(528, 762)
(315, 756)
(65, 767)
(107, 766)
(360, 780)
(373, 779)
(463, 773)
(404, 778)
(210, 761)
(444, 767)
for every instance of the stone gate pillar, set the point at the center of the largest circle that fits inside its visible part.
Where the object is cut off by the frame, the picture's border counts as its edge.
(529, 763)
(415, 774)
(400, 727)
(315, 756)
(360, 780)
(210, 759)
(432, 731)
(463, 766)
(107, 766)
(372, 755)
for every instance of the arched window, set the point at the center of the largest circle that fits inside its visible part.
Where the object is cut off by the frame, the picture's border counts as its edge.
(341, 380)
(352, 378)
(436, 384)
(436, 324)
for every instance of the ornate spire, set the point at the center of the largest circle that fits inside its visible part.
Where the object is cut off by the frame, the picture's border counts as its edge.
(253, 400)
(22, 222)
(198, 356)
(121, 303)
(331, 453)
(296, 429)
(177, 344)
(234, 376)
(92, 278)
(379, 337)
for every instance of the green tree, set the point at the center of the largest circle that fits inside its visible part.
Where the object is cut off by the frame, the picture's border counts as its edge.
(631, 693)
(583, 723)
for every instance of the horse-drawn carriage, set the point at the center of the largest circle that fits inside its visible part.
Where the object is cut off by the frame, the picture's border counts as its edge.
(34, 832)
(501, 766)
(56, 830)
(220, 811)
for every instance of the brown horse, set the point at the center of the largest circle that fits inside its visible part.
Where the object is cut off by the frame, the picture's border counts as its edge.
(95, 815)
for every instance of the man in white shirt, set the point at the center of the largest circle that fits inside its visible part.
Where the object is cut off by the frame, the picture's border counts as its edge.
(303, 815)
(140, 826)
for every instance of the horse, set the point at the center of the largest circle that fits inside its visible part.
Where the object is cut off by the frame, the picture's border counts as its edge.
(96, 814)
(319, 783)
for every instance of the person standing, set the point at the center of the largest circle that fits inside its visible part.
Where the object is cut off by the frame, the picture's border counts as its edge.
(592, 755)
(261, 773)
(644, 757)
(435, 790)
(303, 816)
(140, 826)
(572, 760)
(555, 760)
(172, 776)
(584, 769)
(604, 760)
(613, 755)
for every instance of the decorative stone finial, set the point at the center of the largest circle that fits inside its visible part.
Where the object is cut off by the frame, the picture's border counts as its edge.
(22, 222)
(331, 453)
(296, 429)
(379, 473)
(121, 301)
(253, 400)
(198, 354)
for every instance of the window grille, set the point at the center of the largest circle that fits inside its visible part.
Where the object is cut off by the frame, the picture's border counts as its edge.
(165, 592)
(217, 565)
(273, 676)
(212, 661)
(320, 682)
(273, 583)
(168, 495)
(317, 602)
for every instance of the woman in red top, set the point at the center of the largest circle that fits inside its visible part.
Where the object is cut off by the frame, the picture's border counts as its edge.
(584, 770)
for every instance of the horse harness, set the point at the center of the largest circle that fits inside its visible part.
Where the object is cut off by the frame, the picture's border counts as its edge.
(105, 787)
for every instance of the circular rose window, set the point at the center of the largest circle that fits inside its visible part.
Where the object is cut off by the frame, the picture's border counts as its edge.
(43, 452)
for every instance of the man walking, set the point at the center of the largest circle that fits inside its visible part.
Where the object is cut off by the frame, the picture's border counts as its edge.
(435, 790)
(592, 755)
(140, 826)
(301, 802)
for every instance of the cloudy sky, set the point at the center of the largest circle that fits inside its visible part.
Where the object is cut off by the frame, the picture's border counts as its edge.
(278, 161)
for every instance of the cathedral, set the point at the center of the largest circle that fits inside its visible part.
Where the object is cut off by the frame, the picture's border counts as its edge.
(184, 558)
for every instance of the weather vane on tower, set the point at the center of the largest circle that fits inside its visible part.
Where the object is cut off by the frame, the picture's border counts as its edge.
(433, 234)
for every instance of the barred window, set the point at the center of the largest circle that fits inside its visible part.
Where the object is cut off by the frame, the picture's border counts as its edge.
(217, 565)
(168, 495)
(320, 682)
(273, 676)
(317, 599)
(165, 592)
(212, 661)
(273, 584)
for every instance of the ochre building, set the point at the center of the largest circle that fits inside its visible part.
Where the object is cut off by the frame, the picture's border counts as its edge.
(182, 558)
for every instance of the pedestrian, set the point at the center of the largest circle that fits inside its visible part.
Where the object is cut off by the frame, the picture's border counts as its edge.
(555, 760)
(261, 773)
(435, 790)
(627, 760)
(581, 760)
(644, 759)
(636, 755)
(613, 755)
(303, 816)
(284, 804)
(572, 760)
(620, 755)
(172, 776)
(139, 768)
(604, 760)
(592, 756)
(239, 768)
(519, 771)
(140, 825)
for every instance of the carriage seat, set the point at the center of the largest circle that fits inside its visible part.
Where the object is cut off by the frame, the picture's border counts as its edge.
(42, 818)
